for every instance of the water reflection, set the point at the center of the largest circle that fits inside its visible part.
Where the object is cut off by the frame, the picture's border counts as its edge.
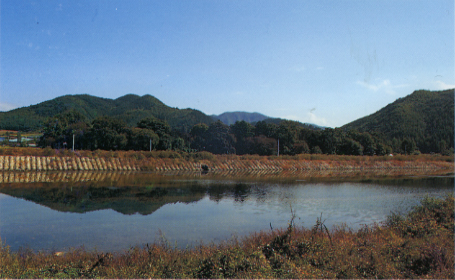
(123, 196)
(115, 211)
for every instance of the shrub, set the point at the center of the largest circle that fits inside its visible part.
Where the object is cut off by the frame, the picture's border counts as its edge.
(203, 155)
(48, 151)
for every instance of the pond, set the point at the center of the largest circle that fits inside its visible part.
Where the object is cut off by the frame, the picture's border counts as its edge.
(114, 213)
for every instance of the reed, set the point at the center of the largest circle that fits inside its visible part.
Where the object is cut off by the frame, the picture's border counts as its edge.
(418, 245)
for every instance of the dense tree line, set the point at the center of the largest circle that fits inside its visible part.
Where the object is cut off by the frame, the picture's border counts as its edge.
(262, 138)
(106, 133)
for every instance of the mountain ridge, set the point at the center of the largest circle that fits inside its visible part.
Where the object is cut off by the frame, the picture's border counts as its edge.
(130, 108)
(425, 117)
(229, 118)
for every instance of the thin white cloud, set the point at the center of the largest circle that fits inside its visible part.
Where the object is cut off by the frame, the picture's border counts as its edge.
(320, 68)
(315, 119)
(374, 87)
(440, 85)
(384, 85)
(4, 107)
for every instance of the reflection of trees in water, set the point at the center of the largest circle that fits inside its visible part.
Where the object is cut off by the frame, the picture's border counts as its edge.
(146, 193)
(238, 191)
(87, 197)
(126, 198)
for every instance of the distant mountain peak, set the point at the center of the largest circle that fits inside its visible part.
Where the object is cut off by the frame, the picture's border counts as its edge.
(229, 118)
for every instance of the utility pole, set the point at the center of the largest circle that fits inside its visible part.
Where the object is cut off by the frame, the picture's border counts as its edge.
(150, 144)
(73, 142)
(278, 153)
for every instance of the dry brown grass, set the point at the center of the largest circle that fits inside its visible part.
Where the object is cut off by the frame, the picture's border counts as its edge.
(419, 245)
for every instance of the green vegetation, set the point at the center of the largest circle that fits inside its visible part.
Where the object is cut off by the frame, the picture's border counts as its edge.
(423, 120)
(129, 108)
(418, 245)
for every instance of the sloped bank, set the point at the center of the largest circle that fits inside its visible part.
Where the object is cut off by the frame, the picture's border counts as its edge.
(139, 162)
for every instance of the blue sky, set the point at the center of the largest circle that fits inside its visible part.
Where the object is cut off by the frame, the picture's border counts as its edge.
(322, 62)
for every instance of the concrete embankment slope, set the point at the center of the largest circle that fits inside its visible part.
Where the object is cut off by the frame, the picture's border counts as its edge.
(219, 163)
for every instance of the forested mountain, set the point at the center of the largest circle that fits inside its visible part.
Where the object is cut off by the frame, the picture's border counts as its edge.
(421, 122)
(129, 108)
(231, 117)
(424, 118)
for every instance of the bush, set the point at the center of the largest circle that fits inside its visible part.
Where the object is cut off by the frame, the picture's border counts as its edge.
(48, 151)
(203, 155)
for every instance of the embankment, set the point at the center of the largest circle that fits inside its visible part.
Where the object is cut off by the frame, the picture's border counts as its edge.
(218, 163)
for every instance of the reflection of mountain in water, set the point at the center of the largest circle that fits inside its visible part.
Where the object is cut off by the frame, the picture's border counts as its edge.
(145, 193)
(126, 197)
(125, 200)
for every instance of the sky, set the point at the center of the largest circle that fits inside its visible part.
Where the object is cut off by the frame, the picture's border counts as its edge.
(322, 62)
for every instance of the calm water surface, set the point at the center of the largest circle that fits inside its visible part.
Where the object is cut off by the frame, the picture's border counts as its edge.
(113, 215)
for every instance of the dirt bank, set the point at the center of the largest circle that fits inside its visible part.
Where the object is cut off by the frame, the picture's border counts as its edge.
(217, 163)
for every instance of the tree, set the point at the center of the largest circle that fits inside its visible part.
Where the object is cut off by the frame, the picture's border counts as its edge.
(381, 149)
(301, 147)
(158, 126)
(242, 131)
(350, 147)
(108, 134)
(199, 130)
(316, 150)
(286, 133)
(178, 143)
(442, 146)
(329, 141)
(198, 136)
(218, 139)
(367, 141)
(60, 129)
(261, 145)
(140, 139)
(408, 146)
(266, 129)
(161, 128)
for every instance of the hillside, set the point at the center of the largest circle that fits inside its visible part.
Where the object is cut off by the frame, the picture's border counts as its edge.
(129, 108)
(425, 117)
(229, 118)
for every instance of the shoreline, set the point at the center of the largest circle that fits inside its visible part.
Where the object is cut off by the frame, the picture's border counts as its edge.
(418, 245)
(218, 163)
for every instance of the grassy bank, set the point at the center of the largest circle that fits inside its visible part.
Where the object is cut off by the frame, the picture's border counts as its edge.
(33, 159)
(28, 151)
(418, 245)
